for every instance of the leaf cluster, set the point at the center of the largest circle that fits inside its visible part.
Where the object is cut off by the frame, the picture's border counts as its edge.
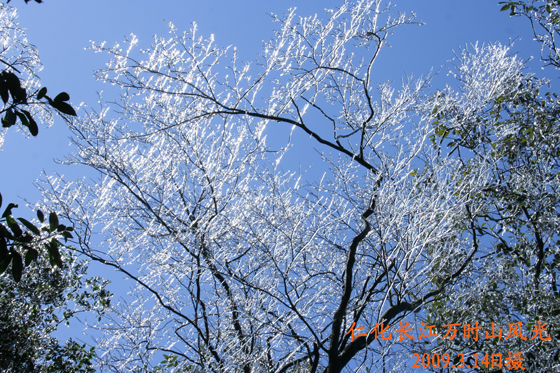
(34, 307)
(544, 16)
(511, 143)
(20, 242)
(10, 87)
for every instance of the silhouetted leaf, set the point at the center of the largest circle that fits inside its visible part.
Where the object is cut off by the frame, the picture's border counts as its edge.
(63, 96)
(26, 237)
(3, 249)
(8, 210)
(40, 216)
(30, 226)
(9, 119)
(5, 263)
(22, 118)
(52, 247)
(63, 107)
(67, 235)
(14, 86)
(4, 232)
(14, 226)
(33, 128)
(26, 1)
(53, 221)
(17, 266)
(11, 80)
(30, 255)
(4, 91)
(20, 96)
(42, 93)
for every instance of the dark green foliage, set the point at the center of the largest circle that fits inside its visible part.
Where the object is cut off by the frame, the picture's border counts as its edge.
(544, 16)
(10, 86)
(516, 271)
(38, 291)
(31, 309)
(17, 244)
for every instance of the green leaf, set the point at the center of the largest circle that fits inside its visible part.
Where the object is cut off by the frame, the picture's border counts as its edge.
(4, 91)
(42, 93)
(67, 235)
(30, 226)
(63, 107)
(40, 216)
(22, 118)
(505, 7)
(5, 263)
(3, 249)
(63, 96)
(9, 119)
(52, 247)
(26, 237)
(31, 255)
(4, 232)
(12, 81)
(33, 128)
(17, 266)
(14, 226)
(18, 93)
(53, 221)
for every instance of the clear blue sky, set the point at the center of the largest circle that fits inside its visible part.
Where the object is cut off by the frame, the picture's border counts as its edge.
(61, 29)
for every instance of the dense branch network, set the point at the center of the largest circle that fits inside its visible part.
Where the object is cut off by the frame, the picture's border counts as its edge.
(247, 267)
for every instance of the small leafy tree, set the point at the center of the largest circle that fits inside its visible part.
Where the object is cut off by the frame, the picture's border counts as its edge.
(22, 99)
(545, 20)
(513, 137)
(513, 143)
(34, 302)
(14, 241)
(32, 308)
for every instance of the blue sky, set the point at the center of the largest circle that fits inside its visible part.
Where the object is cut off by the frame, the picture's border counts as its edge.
(62, 29)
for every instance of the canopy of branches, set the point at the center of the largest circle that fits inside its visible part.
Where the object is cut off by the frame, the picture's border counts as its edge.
(434, 206)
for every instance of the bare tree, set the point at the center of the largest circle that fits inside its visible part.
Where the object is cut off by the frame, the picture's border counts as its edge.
(239, 265)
